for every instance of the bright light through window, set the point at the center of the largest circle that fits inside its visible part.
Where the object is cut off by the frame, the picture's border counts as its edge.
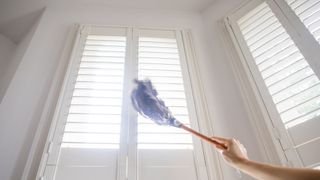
(159, 61)
(309, 13)
(95, 111)
(294, 87)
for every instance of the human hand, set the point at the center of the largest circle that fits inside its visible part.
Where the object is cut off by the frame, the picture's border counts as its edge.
(233, 152)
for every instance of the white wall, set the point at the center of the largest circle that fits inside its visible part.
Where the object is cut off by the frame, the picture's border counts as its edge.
(12, 9)
(13, 110)
(228, 109)
(22, 106)
(7, 48)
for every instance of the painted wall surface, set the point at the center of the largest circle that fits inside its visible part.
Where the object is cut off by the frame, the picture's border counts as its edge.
(7, 48)
(15, 109)
(21, 111)
(228, 109)
(12, 9)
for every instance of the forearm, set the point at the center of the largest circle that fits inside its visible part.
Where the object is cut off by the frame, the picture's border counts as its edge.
(265, 171)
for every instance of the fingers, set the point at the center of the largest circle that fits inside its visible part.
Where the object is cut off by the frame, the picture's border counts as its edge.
(221, 140)
(220, 147)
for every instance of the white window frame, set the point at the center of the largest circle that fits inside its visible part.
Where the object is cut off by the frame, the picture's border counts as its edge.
(195, 97)
(310, 49)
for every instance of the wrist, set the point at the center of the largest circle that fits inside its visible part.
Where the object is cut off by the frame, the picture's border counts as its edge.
(241, 162)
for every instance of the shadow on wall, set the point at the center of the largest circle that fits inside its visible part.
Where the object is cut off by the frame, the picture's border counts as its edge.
(13, 45)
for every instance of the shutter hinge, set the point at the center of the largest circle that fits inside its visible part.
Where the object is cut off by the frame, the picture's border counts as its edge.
(50, 145)
(127, 167)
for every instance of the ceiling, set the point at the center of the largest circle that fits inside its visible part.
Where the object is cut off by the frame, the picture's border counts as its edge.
(181, 5)
(17, 16)
(17, 28)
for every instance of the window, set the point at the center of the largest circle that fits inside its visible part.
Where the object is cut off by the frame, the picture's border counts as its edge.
(309, 13)
(159, 61)
(95, 110)
(294, 87)
(97, 132)
(284, 73)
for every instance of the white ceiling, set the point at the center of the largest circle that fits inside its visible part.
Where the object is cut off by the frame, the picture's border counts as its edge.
(183, 5)
(17, 28)
(17, 16)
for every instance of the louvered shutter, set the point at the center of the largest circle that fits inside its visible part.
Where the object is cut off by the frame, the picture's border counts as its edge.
(291, 83)
(94, 131)
(87, 141)
(164, 152)
(309, 13)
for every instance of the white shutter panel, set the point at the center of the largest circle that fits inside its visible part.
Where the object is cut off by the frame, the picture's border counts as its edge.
(309, 13)
(292, 84)
(91, 136)
(164, 152)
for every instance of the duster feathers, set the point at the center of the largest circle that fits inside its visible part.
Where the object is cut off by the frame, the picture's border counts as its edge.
(145, 101)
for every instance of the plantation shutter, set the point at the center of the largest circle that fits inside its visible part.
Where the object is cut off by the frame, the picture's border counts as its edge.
(164, 152)
(87, 141)
(287, 83)
(309, 13)
(95, 131)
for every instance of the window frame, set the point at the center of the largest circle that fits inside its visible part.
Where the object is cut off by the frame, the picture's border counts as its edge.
(187, 54)
(308, 46)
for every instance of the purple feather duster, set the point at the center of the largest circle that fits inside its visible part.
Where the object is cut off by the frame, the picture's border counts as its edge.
(145, 101)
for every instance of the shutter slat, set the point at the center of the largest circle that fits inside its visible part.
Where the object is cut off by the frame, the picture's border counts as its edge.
(280, 99)
(281, 65)
(310, 105)
(289, 76)
(286, 55)
(251, 14)
(257, 32)
(293, 81)
(300, 100)
(257, 40)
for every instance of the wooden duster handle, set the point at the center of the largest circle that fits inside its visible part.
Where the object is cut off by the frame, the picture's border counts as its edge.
(204, 137)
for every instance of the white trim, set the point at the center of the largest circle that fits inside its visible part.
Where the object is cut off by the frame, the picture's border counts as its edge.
(133, 116)
(59, 71)
(205, 122)
(184, 47)
(124, 135)
(253, 104)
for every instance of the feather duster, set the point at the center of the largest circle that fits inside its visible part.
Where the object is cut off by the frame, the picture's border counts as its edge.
(146, 102)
